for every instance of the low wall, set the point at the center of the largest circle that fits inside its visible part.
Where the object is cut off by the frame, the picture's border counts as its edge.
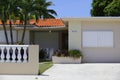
(65, 60)
(22, 68)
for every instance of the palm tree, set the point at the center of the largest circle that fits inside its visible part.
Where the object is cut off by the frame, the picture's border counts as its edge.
(12, 13)
(25, 8)
(42, 11)
(7, 10)
(3, 17)
(38, 8)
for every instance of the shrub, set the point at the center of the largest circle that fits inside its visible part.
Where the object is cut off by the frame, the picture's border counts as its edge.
(75, 53)
(61, 53)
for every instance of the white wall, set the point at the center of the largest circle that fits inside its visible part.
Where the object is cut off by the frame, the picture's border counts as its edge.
(103, 54)
(95, 54)
(29, 68)
(74, 35)
(26, 38)
(3, 39)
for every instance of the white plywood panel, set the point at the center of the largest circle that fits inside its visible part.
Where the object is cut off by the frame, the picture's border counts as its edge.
(89, 39)
(105, 39)
(97, 39)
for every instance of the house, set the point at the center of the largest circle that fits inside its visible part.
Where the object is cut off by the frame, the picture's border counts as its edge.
(97, 37)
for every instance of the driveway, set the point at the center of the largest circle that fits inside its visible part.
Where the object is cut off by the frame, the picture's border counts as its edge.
(73, 72)
(84, 72)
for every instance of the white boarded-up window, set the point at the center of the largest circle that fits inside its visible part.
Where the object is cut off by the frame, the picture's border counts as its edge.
(97, 39)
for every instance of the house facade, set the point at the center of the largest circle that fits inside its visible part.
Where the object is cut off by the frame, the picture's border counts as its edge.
(97, 37)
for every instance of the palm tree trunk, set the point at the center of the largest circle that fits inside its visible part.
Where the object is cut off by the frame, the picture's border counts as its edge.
(24, 30)
(5, 32)
(11, 34)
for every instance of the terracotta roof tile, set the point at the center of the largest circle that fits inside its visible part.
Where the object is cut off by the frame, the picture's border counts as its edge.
(8, 22)
(0, 22)
(50, 23)
(32, 21)
(17, 22)
(41, 22)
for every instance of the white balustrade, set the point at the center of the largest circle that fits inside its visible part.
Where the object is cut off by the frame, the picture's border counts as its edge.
(2, 54)
(13, 55)
(25, 54)
(9, 53)
(19, 55)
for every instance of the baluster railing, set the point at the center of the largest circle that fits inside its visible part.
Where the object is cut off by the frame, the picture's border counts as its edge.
(25, 54)
(5, 54)
(2, 54)
(19, 55)
(14, 53)
(8, 54)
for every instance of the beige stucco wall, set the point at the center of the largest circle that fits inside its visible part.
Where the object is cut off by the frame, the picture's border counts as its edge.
(29, 68)
(74, 37)
(96, 54)
(102, 54)
(26, 38)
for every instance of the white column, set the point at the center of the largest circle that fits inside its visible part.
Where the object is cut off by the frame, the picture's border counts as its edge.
(8, 54)
(19, 55)
(13, 55)
(2, 54)
(25, 55)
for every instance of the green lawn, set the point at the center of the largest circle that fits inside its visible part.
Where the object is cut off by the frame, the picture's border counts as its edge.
(44, 66)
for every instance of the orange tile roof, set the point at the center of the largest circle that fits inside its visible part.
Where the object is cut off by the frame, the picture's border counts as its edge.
(17, 22)
(0, 22)
(50, 22)
(41, 22)
(8, 22)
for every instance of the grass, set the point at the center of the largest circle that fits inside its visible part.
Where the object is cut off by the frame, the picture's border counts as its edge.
(44, 66)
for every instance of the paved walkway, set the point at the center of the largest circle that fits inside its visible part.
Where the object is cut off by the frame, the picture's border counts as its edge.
(73, 72)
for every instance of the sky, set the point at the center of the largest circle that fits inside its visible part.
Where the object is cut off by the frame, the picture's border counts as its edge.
(71, 8)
